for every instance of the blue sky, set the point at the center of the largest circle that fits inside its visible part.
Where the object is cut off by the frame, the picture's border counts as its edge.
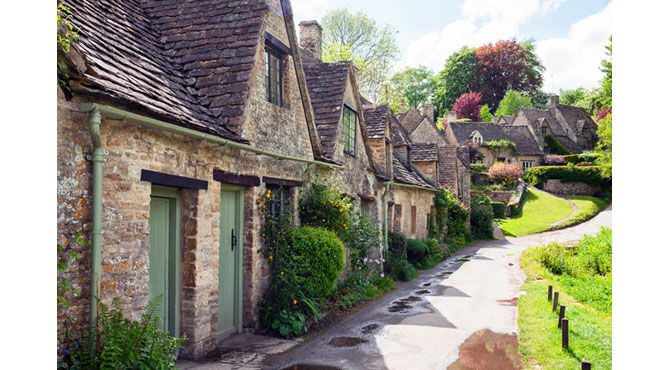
(570, 34)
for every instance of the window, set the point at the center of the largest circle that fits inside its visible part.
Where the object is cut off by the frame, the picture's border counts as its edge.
(413, 219)
(501, 159)
(349, 117)
(544, 130)
(526, 165)
(273, 68)
(545, 149)
(279, 200)
(567, 131)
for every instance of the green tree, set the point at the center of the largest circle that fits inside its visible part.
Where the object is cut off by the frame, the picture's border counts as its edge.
(570, 97)
(580, 97)
(540, 99)
(511, 103)
(605, 145)
(416, 84)
(358, 38)
(454, 80)
(485, 114)
(606, 95)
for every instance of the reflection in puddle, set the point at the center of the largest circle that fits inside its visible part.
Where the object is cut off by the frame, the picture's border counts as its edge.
(422, 292)
(310, 367)
(369, 328)
(346, 341)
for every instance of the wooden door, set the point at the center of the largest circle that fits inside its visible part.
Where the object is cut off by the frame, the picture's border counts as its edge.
(230, 262)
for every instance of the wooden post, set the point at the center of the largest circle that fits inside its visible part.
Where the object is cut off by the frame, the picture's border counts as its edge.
(549, 293)
(555, 301)
(564, 327)
(586, 365)
(561, 315)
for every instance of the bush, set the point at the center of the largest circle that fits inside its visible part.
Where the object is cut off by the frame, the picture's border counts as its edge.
(397, 245)
(537, 176)
(588, 157)
(401, 269)
(584, 164)
(123, 343)
(436, 253)
(450, 218)
(416, 252)
(364, 237)
(481, 218)
(478, 167)
(321, 205)
(506, 174)
(555, 146)
(570, 158)
(554, 160)
(319, 258)
(498, 209)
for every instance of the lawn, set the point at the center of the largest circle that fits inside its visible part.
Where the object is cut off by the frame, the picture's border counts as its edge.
(540, 210)
(588, 207)
(583, 277)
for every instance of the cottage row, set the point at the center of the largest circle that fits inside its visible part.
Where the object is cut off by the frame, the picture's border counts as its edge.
(179, 115)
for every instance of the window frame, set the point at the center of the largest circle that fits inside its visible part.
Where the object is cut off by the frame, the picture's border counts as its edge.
(526, 165)
(275, 80)
(349, 130)
(543, 131)
(284, 203)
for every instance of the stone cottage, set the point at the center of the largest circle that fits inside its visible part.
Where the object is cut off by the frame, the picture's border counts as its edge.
(527, 152)
(179, 116)
(453, 171)
(571, 126)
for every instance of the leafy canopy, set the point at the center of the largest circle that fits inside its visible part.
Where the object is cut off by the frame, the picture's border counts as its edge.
(485, 114)
(511, 103)
(454, 79)
(358, 38)
(416, 85)
(467, 106)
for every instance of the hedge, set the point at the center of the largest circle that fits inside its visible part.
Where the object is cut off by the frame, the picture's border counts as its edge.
(478, 167)
(498, 209)
(572, 158)
(537, 176)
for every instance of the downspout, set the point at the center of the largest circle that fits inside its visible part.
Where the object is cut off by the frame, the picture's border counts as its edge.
(98, 157)
(385, 227)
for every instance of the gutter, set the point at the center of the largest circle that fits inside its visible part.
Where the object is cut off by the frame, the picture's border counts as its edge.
(97, 156)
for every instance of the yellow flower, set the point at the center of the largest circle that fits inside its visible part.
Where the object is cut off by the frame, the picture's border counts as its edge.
(282, 273)
(268, 194)
(270, 258)
(295, 302)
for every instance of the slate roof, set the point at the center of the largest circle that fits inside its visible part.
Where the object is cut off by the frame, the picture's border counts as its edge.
(537, 117)
(411, 119)
(406, 175)
(520, 135)
(376, 118)
(568, 144)
(400, 135)
(326, 83)
(504, 119)
(189, 62)
(576, 118)
(424, 152)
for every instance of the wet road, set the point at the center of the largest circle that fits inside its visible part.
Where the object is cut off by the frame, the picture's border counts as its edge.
(460, 314)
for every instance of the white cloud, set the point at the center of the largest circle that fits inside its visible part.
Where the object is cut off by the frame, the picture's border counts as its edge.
(481, 22)
(574, 60)
(307, 10)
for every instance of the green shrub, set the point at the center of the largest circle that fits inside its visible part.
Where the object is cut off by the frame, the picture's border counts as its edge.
(416, 252)
(537, 176)
(436, 253)
(123, 343)
(321, 205)
(498, 209)
(588, 157)
(364, 237)
(401, 269)
(397, 245)
(478, 167)
(481, 218)
(320, 255)
(451, 218)
(555, 146)
(572, 158)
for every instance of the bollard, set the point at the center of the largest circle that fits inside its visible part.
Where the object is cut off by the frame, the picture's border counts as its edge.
(561, 315)
(555, 301)
(586, 365)
(564, 327)
(549, 293)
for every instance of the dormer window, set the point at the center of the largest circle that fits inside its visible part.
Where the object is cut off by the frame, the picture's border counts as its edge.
(349, 130)
(477, 138)
(567, 131)
(273, 68)
(544, 130)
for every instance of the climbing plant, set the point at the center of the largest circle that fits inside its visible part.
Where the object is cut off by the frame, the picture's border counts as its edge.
(65, 36)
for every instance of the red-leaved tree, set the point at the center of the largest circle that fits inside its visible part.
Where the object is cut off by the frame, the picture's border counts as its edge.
(505, 65)
(467, 106)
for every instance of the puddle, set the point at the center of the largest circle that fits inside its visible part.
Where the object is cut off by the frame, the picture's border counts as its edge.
(509, 302)
(464, 259)
(400, 306)
(488, 350)
(443, 274)
(422, 291)
(310, 367)
(412, 298)
(346, 341)
(369, 328)
(214, 355)
(511, 264)
(426, 284)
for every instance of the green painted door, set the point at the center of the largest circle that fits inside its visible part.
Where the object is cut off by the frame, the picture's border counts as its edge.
(230, 261)
(163, 255)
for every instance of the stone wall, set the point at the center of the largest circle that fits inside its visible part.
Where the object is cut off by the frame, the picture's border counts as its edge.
(578, 188)
(404, 199)
(495, 195)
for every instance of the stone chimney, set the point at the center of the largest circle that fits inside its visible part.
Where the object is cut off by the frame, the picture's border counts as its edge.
(428, 110)
(310, 37)
(553, 102)
(451, 117)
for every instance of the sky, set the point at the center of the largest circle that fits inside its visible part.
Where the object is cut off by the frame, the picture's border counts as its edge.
(570, 35)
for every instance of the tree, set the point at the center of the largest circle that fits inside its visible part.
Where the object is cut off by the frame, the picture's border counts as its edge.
(485, 114)
(580, 97)
(604, 147)
(503, 66)
(371, 47)
(467, 106)
(416, 84)
(454, 80)
(606, 96)
(540, 99)
(570, 97)
(511, 103)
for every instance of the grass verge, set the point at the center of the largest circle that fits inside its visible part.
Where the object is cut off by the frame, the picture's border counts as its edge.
(588, 207)
(540, 210)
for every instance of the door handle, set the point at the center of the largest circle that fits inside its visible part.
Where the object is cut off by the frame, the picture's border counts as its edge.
(233, 239)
